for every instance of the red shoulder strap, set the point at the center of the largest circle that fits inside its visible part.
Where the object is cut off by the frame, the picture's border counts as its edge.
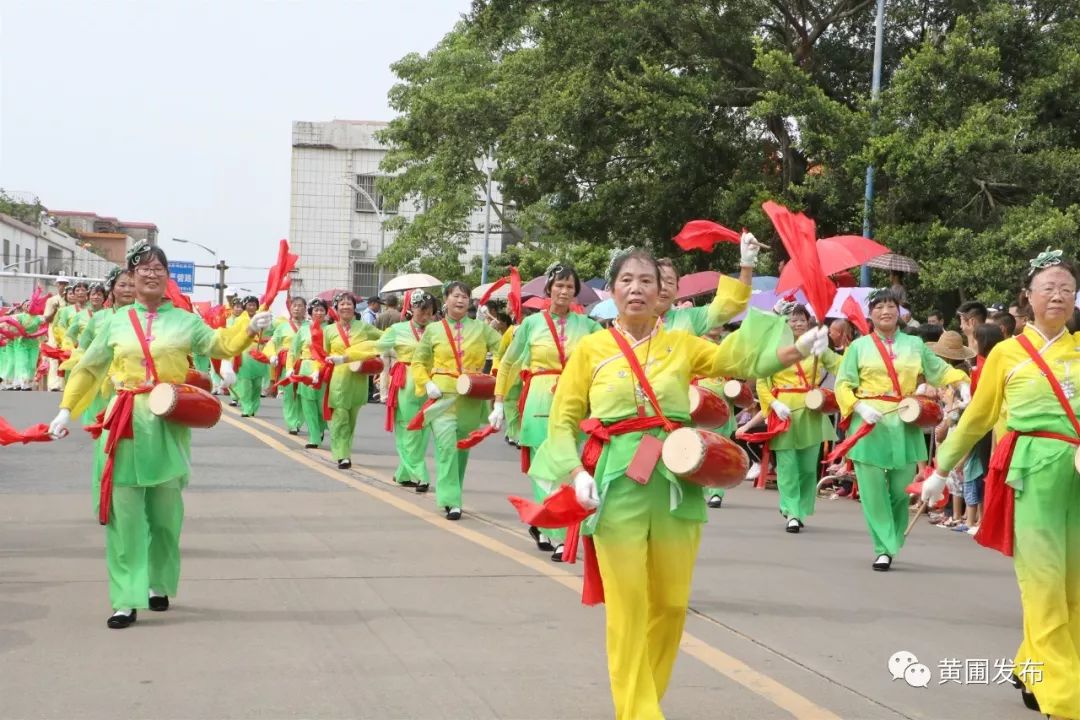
(1054, 384)
(318, 351)
(802, 374)
(343, 334)
(453, 345)
(889, 367)
(639, 373)
(143, 344)
(555, 337)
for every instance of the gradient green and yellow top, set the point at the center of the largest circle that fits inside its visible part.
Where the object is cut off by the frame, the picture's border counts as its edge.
(401, 339)
(534, 346)
(433, 359)
(789, 377)
(282, 339)
(732, 297)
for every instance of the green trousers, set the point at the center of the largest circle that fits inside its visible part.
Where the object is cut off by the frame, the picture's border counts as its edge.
(290, 404)
(885, 504)
(311, 407)
(342, 427)
(460, 418)
(542, 491)
(796, 479)
(411, 449)
(142, 543)
(248, 393)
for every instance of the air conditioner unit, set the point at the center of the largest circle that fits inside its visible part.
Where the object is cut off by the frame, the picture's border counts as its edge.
(358, 245)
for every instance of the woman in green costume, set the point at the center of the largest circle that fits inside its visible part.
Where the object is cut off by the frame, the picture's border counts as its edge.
(798, 448)
(877, 372)
(19, 369)
(402, 403)
(348, 340)
(542, 345)
(252, 368)
(311, 388)
(280, 354)
(141, 504)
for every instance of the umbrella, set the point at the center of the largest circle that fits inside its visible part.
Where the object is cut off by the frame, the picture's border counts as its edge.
(500, 294)
(836, 254)
(765, 300)
(535, 288)
(597, 283)
(892, 261)
(604, 310)
(697, 283)
(411, 281)
(328, 295)
(760, 282)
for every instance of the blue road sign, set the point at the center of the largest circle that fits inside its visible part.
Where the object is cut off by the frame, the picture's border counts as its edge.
(184, 275)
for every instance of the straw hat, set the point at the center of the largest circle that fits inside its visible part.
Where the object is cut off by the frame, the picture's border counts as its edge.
(951, 347)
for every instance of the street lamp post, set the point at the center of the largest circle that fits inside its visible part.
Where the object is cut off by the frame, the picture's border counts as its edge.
(221, 267)
(489, 165)
(382, 228)
(875, 93)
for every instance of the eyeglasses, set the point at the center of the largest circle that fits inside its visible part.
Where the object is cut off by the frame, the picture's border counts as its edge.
(1050, 290)
(151, 271)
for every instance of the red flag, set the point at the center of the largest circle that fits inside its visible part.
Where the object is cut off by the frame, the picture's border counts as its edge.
(34, 433)
(704, 235)
(561, 509)
(775, 426)
(417, 422)
(849, 442)
(854, 312)
(278, 278)
(474, 438)
(798, 233)
(37, 302)
(177, 298)
(513, 299)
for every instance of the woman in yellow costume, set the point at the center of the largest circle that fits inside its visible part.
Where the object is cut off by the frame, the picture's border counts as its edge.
(1032, 509)
(402, 403)
(348, 340)
(458, 345)
(877, 372)
(798, 448)
(539, 352)
(148, 457)
(308, 371)
(645, 535)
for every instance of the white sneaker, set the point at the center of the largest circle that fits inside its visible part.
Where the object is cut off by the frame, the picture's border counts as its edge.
(973, 529)
(753, 472)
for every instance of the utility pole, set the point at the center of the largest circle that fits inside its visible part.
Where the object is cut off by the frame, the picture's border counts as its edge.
(489, 165)
(221, 268)
(875, 94)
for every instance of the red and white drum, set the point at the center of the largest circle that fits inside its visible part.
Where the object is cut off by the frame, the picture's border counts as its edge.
(371, 366)
(822, 400)
(199, 380)
(738, 393)
(185, 405)
(704, 458)
(920, 410)
(707, 409)
(479, 386)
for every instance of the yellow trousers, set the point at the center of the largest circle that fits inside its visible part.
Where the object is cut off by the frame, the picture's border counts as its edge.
(647, 562)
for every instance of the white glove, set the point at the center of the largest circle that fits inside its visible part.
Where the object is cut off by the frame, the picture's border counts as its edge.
(228, 375)
(814, 341)
(585, 490)
(316, 376)
(273, 360)
(288, 373)
(933, 487)
(260, 321)
(868, 412)
(781, 410)
(335, 359)
(749, 247)
(497, 416)
(965, 394)
(432, 390)
(58, 427)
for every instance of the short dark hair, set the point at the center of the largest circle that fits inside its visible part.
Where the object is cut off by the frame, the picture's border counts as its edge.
(392, 301)
(562, 271)
(317, 303)
(144, 255)
(935, 312)
(1005, 320)
(882, 295)
(666, 262)
(988, 335)
(294, 298)
(800, 309)
(456, 285)
(973, 308)
(632, 254)
(929, 332)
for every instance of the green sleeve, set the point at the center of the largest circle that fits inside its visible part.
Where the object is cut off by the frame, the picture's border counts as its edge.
(388, 340)
(493, 339)
(936, 371)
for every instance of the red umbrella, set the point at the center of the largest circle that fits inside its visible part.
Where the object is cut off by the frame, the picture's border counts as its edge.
(836, 255)
(698, 283)
(328, 295)
(535, 288)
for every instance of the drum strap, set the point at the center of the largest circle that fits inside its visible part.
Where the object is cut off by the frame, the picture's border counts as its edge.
(555, 337)
(802, 374)
(453, 345)
(343, 334)
(151, 370)
(639, 373)
(889, 367)
(1050, 378)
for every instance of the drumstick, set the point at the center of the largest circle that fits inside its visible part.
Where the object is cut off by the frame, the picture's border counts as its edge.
(918, 513)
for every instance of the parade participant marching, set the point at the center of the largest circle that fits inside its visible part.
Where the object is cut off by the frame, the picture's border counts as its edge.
(715, 496)
(280, 356)
(252, 368)
(52, 307)
(95, 301)
(456, 346)
(120, 289)
(23, 348)
(626, 384)
(732, 296)
(1032, 502)
(348, 340)
(149, 460)
(877, 372)
(798, 448)
(540, 349)
(77, 297)
(312, 392)
(228, 371)
(402, 401)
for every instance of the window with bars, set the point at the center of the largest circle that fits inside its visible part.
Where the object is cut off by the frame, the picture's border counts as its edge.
(365, 277)
(363, 204)
(27, 256)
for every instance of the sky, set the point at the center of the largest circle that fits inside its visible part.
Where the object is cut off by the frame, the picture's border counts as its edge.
(179, 112)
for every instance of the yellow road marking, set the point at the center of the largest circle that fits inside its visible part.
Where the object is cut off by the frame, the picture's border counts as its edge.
(734, 669)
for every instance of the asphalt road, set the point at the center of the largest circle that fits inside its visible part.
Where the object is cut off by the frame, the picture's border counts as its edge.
(312, 592)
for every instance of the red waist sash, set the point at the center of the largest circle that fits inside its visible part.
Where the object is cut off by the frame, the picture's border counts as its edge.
(398, 376)
(120, 427)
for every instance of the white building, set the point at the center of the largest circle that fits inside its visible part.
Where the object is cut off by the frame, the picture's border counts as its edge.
(335, 228)
(31, 254)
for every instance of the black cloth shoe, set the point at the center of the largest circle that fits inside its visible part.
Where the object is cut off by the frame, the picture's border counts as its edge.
(295, 432)
(544, 544)
(344, 464)
(557, 555)
(453, 513)
(409, 483)
(716, 501)
(793, 525)
(159, 603)
(119, 622)
(422, 487)
(310, 446)
(883, 563)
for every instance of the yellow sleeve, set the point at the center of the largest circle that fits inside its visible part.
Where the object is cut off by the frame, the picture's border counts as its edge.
(222, 343)
(847, 379)
(749, 352)
(764, 394)
(85, 380)
(980, 416)
(568, 408)
(361, 351)
(422, 360)
(831, 360)
(732, 297)
(510, 359)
